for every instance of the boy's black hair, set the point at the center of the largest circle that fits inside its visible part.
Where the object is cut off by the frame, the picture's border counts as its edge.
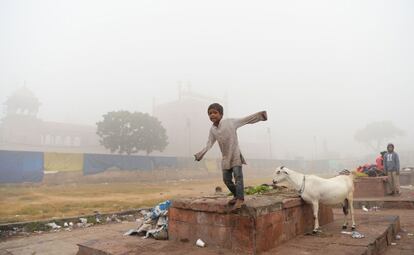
(390, 144)
(217, 107)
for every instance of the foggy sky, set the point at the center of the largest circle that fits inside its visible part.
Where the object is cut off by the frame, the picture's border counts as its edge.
(320, 68)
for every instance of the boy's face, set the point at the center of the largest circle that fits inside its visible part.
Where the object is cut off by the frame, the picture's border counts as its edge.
(390, 148)
(214, 116)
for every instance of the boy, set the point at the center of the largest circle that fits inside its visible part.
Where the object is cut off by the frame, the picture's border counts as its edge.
(224, 132)
(392, 169)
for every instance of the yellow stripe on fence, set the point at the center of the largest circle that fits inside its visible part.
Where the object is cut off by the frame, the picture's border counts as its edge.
(63, 161)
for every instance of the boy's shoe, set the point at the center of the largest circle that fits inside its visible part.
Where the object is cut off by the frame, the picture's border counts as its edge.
(238, 204)
(232, 201)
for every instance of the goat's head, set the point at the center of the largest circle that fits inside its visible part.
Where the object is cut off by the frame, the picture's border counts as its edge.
(280, 174)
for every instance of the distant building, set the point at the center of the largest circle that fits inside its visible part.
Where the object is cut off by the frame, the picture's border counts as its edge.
(21, 129)
(186, 122)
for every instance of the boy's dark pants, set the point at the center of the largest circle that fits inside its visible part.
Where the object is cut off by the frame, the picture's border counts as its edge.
(236, 188)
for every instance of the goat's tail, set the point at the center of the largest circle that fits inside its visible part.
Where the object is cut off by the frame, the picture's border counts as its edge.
(345, 207)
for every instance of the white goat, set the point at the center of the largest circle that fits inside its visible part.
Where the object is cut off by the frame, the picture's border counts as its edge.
(314, 189)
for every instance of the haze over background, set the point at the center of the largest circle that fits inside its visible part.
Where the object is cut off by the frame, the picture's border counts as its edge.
(322, 69)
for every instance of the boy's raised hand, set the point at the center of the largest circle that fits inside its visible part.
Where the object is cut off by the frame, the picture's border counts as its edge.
(264, 115)
(196, 158)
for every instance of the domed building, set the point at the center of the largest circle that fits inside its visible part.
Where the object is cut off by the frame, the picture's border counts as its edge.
(21, 129)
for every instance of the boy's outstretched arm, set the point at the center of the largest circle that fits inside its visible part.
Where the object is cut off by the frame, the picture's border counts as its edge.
(211, 140)
(259, 116)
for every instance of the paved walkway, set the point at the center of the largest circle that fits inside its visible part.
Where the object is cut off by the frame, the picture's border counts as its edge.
(60, 243)
(65, 243)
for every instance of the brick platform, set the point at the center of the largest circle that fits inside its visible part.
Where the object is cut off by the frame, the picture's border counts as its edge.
(407, 178)
(264, 223)
(370, 187)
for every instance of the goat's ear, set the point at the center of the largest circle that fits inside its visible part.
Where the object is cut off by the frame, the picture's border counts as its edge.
(282, 167)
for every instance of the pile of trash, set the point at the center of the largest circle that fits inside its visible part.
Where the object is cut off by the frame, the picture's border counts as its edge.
(154, 224)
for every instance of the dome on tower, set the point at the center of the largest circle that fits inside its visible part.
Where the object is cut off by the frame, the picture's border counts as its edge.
(22, 102)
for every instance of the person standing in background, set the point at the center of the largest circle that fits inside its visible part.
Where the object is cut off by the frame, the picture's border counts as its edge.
(392, 169)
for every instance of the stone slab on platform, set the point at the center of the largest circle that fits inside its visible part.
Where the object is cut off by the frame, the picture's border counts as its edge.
(263, 223)
(403, 201)
(378, 227)
(379, 232)
(370, 187)
(407, 178)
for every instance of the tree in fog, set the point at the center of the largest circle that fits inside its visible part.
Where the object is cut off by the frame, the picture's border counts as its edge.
(126, 132)
(376, 134)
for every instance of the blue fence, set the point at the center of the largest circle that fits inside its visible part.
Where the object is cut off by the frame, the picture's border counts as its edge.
(21, 166)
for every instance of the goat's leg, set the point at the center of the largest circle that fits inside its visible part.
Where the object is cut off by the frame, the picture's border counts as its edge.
(315, 206)
(345, 209)
(351, 205)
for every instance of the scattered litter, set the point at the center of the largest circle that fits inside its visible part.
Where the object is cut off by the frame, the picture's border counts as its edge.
(115, 218)
(131, 232)
(157, 211)
(162, 221)
(393, 244)
(83, 223)
(53, 225)
(397, 237)
(65, 224)
(357, 235)
(71, 224)
(154, 224)
(410, 234)
(144, 212)
(353, 234)
(364, 208)
(375, 208)
(98, 220)
(108, 219)
(145, 227)
(200, 243)
(158, 233)
(130, 217)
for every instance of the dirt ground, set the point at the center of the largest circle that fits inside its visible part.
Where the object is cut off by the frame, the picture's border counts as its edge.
(26, 202)
(65, 243)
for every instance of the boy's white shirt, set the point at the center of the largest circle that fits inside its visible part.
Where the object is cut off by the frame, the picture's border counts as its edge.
(226, 136)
